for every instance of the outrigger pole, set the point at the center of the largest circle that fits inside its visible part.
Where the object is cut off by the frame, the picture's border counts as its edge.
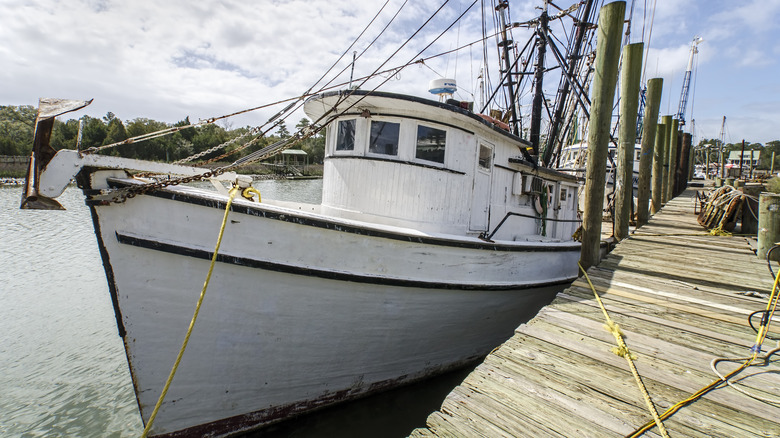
(560, 103)
(536, 108)
(505, 43)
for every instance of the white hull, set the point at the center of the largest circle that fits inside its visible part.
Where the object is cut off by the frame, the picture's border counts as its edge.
(287, 326)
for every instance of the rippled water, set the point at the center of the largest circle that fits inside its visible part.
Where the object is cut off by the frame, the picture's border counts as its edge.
(63, 369)
(62, 364)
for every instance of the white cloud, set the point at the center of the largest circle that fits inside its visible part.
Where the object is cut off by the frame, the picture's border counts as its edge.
(168, 60)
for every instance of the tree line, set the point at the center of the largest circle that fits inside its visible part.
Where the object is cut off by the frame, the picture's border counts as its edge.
(17, 125)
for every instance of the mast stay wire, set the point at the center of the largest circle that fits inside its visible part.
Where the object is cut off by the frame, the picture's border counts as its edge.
(299, 136)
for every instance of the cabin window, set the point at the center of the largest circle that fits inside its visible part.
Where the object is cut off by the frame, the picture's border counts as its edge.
(384, 138)
(345, 140)
(430, 144)
(485, 157)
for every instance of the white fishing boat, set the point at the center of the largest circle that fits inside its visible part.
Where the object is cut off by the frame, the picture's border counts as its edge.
(436, 236)
(574, 157)
(429, 247)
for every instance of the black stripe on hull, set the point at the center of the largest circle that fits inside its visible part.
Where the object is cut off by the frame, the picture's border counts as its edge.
(292, 217)
(331, 275)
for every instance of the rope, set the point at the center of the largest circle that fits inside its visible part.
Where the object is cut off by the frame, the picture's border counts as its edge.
(756, 349)
(232, 195)
(249, 193)
(623, 351)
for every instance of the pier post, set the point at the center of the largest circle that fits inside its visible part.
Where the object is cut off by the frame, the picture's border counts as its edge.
(649, 127)
(667, 121)
(685, 172)
(629, 104)
(673, 152)
(658, 167)
(610, 29)
(768, 224)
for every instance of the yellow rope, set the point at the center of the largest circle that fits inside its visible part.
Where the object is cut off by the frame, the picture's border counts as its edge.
(233, 192)
(623, 351)
(249, 191)
(760, 337)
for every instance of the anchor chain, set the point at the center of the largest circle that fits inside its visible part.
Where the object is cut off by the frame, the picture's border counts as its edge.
(119, 196)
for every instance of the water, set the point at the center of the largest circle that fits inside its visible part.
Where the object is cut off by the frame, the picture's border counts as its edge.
(64, 371)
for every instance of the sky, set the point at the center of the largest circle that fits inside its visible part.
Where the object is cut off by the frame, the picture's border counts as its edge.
(175, 59)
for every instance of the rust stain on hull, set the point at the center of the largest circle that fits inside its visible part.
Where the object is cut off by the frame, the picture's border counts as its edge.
(255, 420)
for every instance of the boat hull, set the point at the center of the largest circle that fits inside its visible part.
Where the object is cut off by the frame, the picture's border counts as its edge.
(302, 311)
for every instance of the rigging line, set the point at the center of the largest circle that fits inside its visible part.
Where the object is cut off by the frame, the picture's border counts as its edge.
(300, 103)
(287, 143)
(630, 20)
(350, 46)
(695, 73)
(347, 95)
(578, 91)
(373, 41)
(161, 133)
(457, 41)
(410, 62)
(504, 76)
(647, 47)
(485, 71)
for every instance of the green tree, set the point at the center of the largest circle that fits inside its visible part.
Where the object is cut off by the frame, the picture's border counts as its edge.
(314, 146)
(281, 130)
(17, 124)
(93, 133)
(116, 131)
(766, 155)
(65, 134)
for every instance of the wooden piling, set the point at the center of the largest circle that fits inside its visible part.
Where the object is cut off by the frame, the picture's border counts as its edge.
(610, 28)
(672, 160)
(629, 104)
(684, 167)
(768, 225)
(658, 167)
(667, 121)
(649, 126)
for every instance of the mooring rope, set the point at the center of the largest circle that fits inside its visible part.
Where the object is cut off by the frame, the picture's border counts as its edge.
(755, 350)
(623, 351)
(149, 423)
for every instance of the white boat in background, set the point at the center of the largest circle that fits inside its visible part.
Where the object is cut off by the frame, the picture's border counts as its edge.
(574, 157)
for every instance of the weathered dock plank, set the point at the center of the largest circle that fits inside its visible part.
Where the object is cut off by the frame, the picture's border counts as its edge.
(681, 298)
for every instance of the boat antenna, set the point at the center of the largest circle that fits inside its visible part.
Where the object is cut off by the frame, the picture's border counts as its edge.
(352, 71)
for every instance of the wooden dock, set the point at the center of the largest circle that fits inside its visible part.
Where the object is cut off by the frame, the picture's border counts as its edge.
(681, 299)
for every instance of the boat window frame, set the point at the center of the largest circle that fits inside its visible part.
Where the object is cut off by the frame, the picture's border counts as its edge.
(338, 134)
(399, 144)
(491, 149)
(416, 144)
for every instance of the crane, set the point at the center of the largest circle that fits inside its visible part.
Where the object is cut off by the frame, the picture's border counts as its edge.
(687, 80)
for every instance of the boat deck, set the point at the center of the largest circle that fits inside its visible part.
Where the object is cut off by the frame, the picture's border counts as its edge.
(681, 298)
